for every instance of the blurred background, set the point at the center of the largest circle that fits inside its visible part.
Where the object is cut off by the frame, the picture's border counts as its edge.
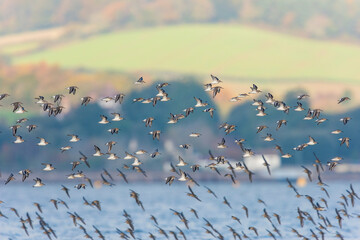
(285, 47)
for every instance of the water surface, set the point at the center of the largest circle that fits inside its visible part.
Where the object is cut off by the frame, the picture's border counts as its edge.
(158, 198)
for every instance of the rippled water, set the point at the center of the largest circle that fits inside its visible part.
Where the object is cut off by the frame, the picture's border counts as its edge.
(159, 198)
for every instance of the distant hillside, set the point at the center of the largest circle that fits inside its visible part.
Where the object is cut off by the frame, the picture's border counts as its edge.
(321, 18)
(232, 51)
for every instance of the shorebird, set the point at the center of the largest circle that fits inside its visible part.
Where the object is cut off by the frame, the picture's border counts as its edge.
(308, 172)
(66, 190)
(140, 81)
(260, 128)
(74, 138)
(268, 138)
(188, 111)
(210, 111)
(199, 103)
(10, 178)
(280, 123)
(155, 134)
(112, 156)
(107, 99)
(266, 164)
(31, 127)
(345, 120)
(299, 107)
(19, 139)
(83, 158)
(336, 131)
(309, 115)
(17, 107)
(42, 142)
(320, 120)
(261, 112)
(155, 153)
(185, 146)
(85, 100)
(129, 156)
(345, 140)
(301, 147)
(14, 129)
(148, 121)
(208, 87)
(183, 176)
(110, 144)
(254, 89)
(58, 98)
(121, 174)
(283, 155)
(173, 118)
(195, 167)
(181, 162)
(72, 89)
(66, 148)
(169, 180)
(231, 177)
(140, 152)
(216, 90)
(222, 144)
(194, 135)
(226, 202)
(192, 194)
(3, 95)
(136, 162)
(300, 97)
(25, 174)
(343, 99)
(48, 166)
(280, 106)
(311, 141)
(40, 100)
(113, 130)
(119, 98)
(215, 80)
(98, 152)
(104, 120)
(38, 183)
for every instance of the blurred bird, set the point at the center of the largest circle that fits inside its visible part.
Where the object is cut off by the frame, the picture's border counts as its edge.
(140, 81)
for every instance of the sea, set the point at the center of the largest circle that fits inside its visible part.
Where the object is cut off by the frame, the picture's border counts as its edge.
(162, 201)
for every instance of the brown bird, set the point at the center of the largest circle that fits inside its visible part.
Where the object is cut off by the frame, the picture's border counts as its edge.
(85, 100)
(66, 190)
(345, 140)
(345, 120)
(308, 172)
(226, 202)
(266, 164)
(72, 89)
(169, 180)
(343, 99)
(10, 178)
(231, 177)
(192, 194)
(280, 123)
(255, 230)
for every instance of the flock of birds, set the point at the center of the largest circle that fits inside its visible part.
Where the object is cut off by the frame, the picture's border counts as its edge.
(320, 220)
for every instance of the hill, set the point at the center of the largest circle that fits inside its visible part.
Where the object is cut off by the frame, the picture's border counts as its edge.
(232, 51)
(331, 19)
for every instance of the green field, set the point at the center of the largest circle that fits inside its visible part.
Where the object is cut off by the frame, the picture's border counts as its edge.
(224, 50)
(18, 48)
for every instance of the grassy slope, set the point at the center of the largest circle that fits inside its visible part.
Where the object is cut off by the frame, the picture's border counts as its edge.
(18, 48)
(226, 50)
